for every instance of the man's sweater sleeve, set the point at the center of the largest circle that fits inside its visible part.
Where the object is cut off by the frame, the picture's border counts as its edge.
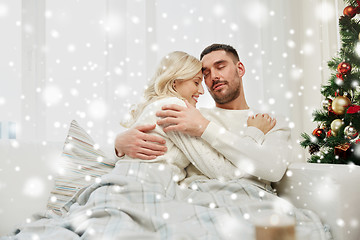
(265, 157)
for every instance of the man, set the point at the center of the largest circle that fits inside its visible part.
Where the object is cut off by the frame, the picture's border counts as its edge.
(257, 145)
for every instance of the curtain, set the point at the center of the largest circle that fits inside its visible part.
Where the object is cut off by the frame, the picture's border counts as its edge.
(90, 60)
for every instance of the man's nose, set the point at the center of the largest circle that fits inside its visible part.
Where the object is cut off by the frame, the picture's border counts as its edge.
(215, 75)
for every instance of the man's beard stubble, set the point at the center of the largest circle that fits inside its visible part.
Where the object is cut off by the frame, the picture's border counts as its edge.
(232, 93)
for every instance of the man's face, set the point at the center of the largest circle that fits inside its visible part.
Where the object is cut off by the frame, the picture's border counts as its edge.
(222, 76)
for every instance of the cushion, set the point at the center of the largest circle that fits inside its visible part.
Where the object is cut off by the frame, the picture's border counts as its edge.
(82, 163)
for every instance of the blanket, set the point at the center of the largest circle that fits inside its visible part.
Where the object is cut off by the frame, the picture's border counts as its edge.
(138, 200)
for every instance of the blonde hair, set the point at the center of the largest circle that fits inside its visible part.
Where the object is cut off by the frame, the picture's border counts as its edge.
(176, 65)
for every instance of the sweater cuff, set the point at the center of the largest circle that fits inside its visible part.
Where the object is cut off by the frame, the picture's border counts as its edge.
(255, 134)
(212, 132)
(117, 157)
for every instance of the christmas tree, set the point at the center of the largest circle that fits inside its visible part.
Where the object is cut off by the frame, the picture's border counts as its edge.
(336, 139)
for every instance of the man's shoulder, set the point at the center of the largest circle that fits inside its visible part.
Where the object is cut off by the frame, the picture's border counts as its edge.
(209, 112)
(205, 109)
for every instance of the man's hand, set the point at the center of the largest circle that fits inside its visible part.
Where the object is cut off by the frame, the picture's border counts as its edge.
(187, 119)
(136, 143)
(262, 121)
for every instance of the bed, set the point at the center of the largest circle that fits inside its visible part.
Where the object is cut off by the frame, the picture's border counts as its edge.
(142, 201)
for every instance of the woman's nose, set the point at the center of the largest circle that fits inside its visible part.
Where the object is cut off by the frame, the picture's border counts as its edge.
(201, 89)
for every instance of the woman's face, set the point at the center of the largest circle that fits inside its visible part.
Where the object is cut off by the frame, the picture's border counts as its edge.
(190, 89)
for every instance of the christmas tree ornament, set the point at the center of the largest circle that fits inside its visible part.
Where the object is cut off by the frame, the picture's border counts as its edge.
(353, 109)
(335, 126)
(344, 68)
(355, 140)
(342, 150)
(330, 110)
(323, 126)
(326, 103)
(350, 11)
(340, 76)
(355, 152)
(329, 133)
(350, 132)
(314, 148)
(319, 133)
(340, 104)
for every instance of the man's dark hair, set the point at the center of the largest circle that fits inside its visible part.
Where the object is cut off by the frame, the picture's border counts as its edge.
(217, 47)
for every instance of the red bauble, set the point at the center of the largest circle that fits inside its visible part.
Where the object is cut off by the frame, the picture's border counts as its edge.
(344, 68)
(319, 132)
(350, 11)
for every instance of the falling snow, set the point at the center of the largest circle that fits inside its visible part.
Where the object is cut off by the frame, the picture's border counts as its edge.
(91, 66)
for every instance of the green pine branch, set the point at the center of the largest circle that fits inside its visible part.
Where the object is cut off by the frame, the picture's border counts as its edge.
(306, 142)
(351, 2)
(324, 116)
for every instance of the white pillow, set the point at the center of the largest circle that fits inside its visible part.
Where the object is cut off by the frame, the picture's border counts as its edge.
(83, 163)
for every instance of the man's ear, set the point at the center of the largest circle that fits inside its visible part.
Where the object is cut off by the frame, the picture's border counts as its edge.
(240, 68)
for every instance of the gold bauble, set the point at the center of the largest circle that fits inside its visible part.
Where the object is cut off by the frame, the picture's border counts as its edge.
(340, 104)
(335, 126)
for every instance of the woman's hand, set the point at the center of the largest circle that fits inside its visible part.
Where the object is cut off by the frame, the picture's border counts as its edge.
(262, 121)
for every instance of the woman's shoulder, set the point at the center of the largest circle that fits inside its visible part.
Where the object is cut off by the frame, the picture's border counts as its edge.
(157, 105)
(168, 100)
